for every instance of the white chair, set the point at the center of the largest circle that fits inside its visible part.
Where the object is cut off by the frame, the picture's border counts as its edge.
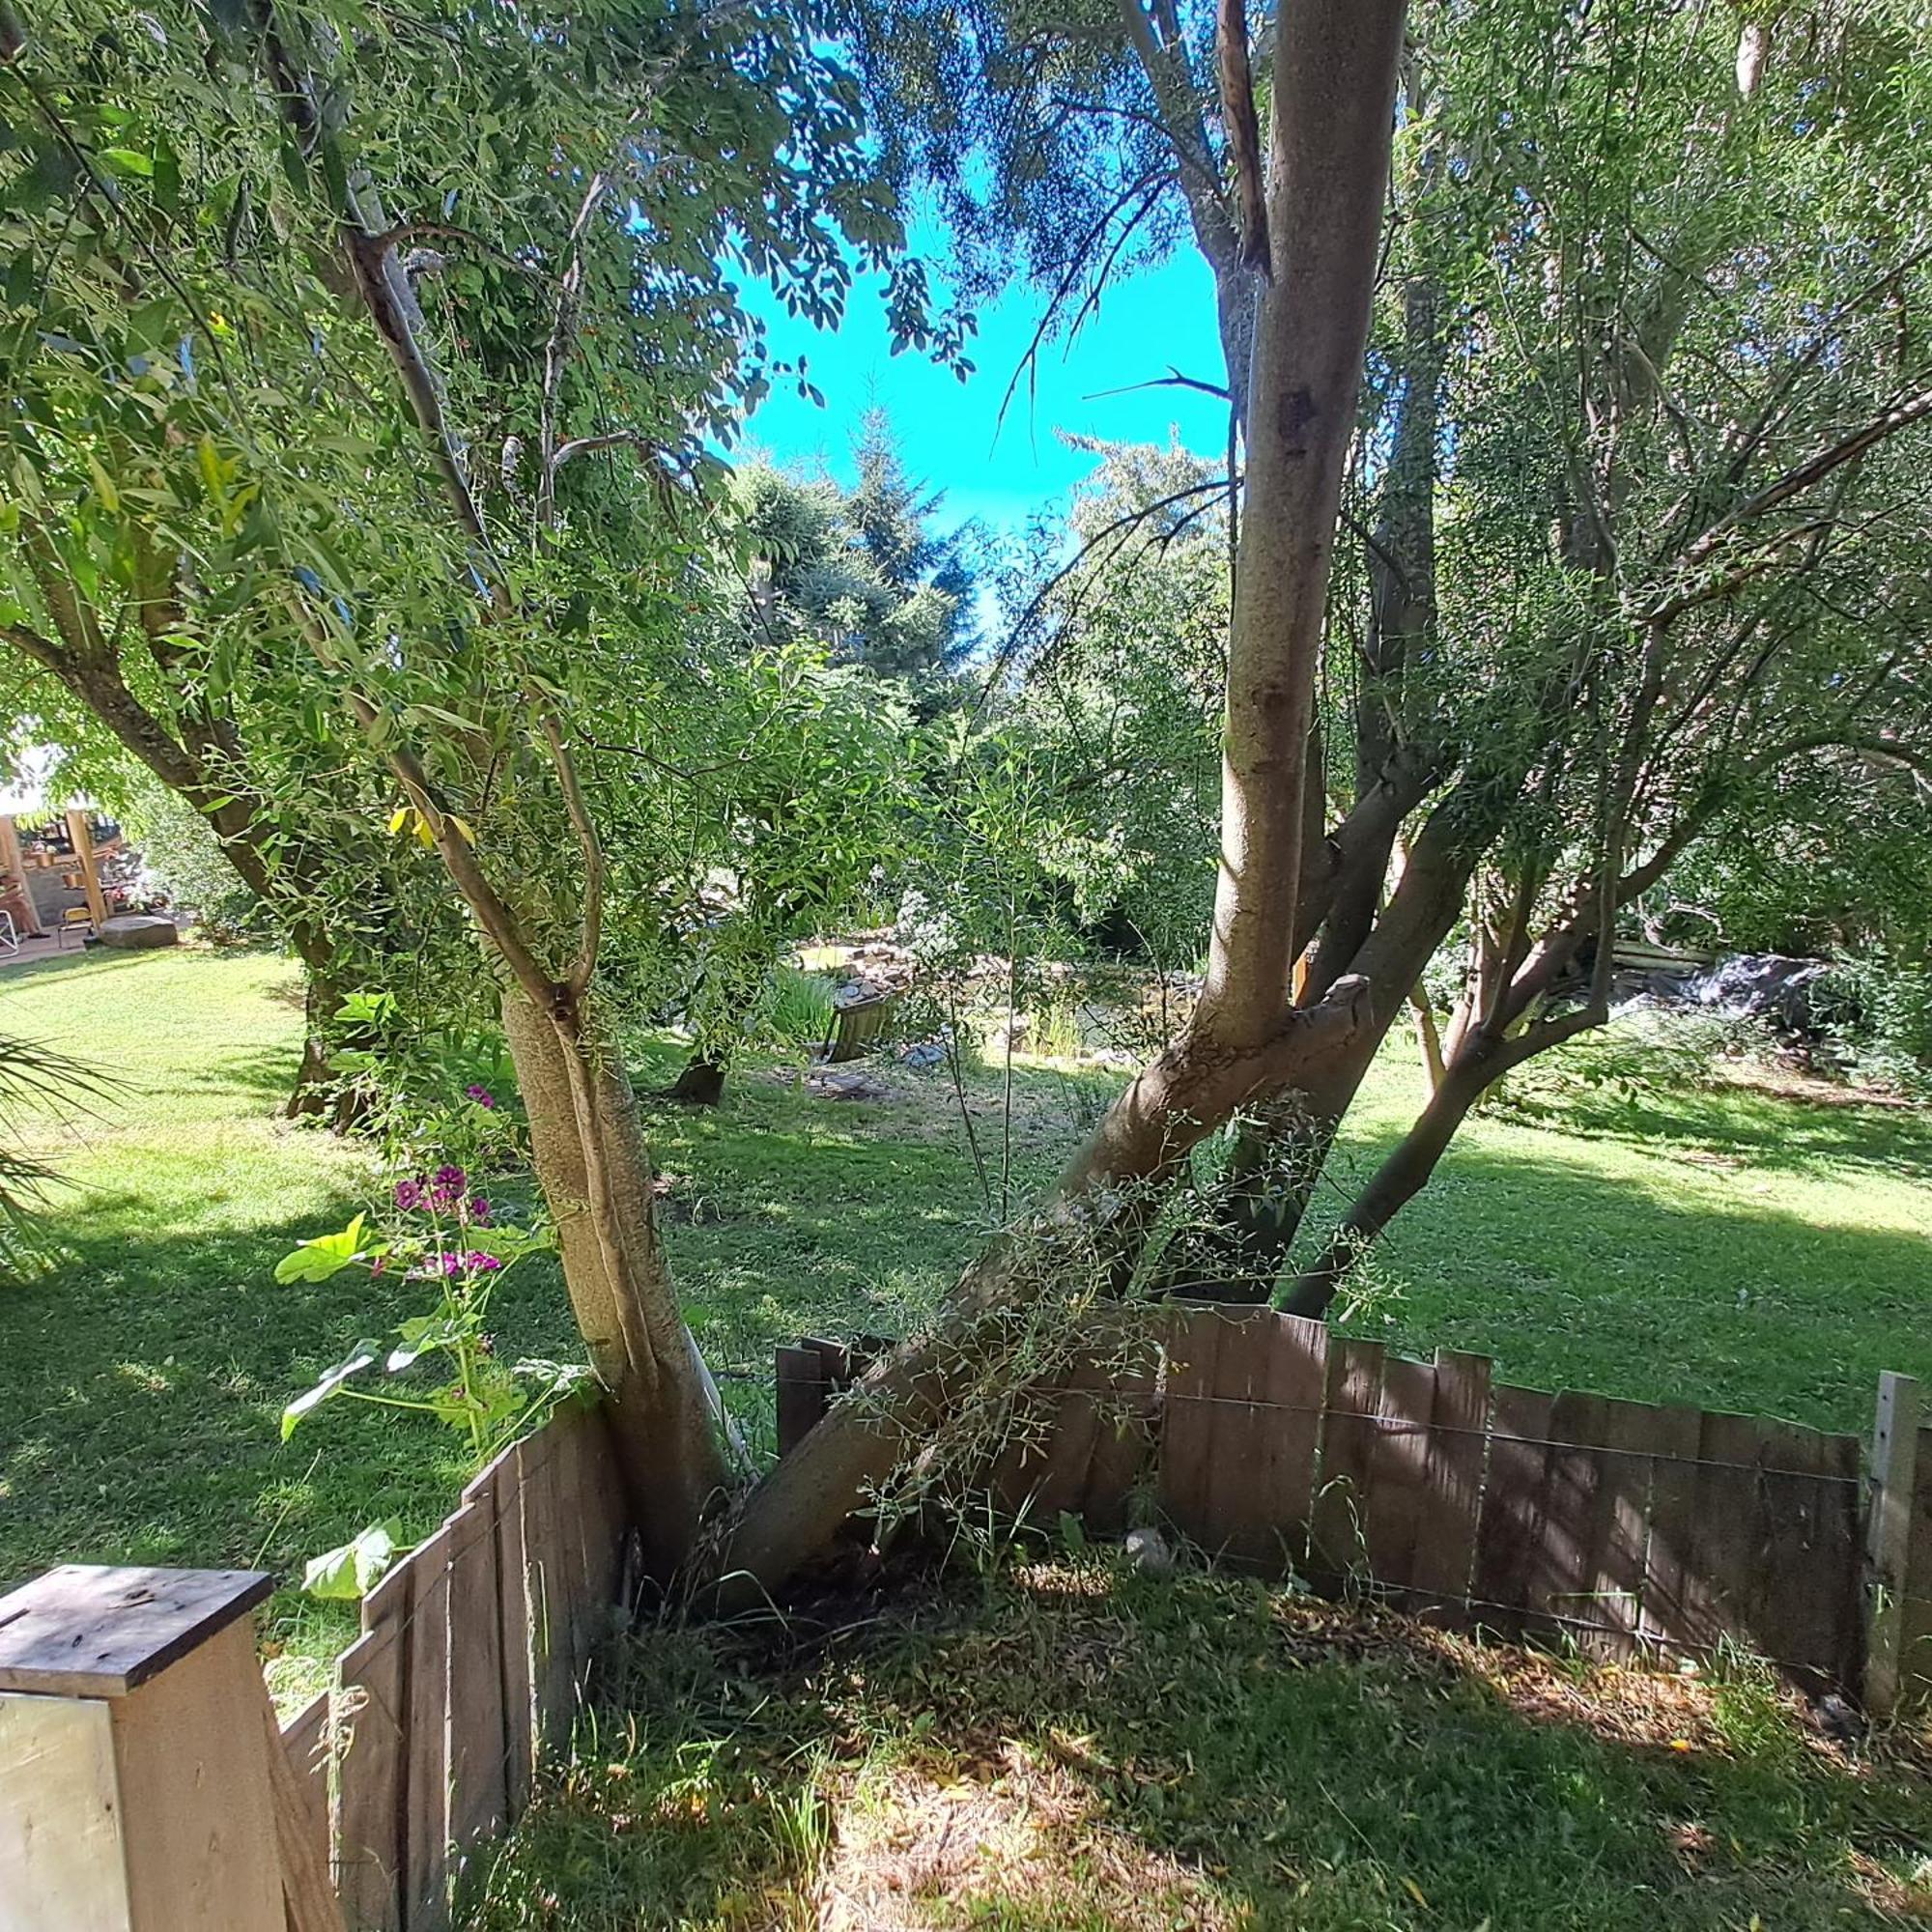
(10, 936)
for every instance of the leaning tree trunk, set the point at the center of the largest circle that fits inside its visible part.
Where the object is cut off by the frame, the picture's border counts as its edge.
(596, 1177)
(1334, 96)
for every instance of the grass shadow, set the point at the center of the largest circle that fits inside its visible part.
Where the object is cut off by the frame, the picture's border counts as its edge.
(1069, 1748)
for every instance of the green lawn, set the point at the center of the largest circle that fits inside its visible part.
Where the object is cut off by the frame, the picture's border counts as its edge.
(140, 1383)
(1067, 1748)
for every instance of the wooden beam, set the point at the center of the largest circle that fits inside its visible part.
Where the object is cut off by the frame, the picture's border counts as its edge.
(81, 834)
(1888, 1536)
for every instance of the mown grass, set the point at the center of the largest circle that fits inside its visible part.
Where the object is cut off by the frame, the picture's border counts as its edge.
(140, 1383)
(1068, 1748)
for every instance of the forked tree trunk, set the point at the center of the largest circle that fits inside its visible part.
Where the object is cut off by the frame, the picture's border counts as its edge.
(1402, 1175)
(595, 1173)
(1334, 95)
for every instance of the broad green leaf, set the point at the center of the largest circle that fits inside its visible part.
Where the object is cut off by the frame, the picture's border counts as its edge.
(364, 1356)
(348, 1573)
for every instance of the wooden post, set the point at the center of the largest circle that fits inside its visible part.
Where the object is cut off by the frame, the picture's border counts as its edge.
(137, 1791)
(1888, 1536)
(82, 836)
(14, 861)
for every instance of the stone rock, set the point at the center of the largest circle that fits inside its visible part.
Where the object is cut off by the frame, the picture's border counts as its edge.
(1762, 986)
(846, 1087)
(927, 1053)
(139, 932)
(1147, 1552)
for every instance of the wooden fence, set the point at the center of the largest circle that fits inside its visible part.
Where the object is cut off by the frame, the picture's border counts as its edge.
(1274, 1444)
(473, 1654)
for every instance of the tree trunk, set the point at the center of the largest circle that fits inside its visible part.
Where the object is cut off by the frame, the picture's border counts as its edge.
(596, 1177)
(701, 1084)
(1334, 94)
(1402, 1175)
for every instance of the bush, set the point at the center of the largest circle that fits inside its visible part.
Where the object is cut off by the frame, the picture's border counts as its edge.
(1877, 1010)
(185, 861)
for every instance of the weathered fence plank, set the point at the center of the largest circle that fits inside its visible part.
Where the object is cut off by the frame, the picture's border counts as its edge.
(305, 1745)
(1398, 1462)
(1458, 1420)
(1888, 1537)
(1235, 1499)
(1509, 1534)
(426, 1826)
(1673, 1593)
(1351, 1439)
(514, 1627)
(370, 1712)
(1188, 1437)
(477, 1755)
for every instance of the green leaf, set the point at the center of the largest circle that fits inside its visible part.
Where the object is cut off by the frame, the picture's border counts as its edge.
(324, 1256)
(127, 161)
(348, 1573)
(331, 1383)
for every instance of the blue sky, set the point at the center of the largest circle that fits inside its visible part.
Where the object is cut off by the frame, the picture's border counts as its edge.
(1161, 317)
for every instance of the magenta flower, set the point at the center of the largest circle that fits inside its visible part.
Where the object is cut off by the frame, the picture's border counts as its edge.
(472, 1263)
(446, 1186)
(409, 1195)
(482, 1096)
(479, 1210)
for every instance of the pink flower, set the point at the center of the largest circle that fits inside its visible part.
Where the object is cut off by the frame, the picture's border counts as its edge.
(446, 1186)
(482, 1096)
(408, 1194)
(479, 1210)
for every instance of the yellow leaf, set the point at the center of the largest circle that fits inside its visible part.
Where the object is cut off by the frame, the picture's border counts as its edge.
(103, 486)
(463, 826)
(1416, 1892)
(398, 818)
(424, 835)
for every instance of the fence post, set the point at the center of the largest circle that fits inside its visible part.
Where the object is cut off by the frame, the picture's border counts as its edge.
(1888, 1536)
(136, 1786)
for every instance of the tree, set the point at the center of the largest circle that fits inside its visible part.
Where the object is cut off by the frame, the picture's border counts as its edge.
(1332, 106)
(860, 569)
(284, 278)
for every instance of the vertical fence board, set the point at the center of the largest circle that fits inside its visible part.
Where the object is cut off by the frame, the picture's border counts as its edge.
(1673, 1592)
(1237, 1515)
(1459, 1416)
(426, 1822)
(1297, 1382)
(803, 1391)
(1914, 1650)
(370, 1710)
(1599, 1514)
(1398, 1474)
(514, 1634)
(1509, 1533)
(1889, 1534)
(1733, 1530)
(306, 1740)
(1187, 1431)
(1350, 1429)
(1123, 1445)
(477, 1755)
(1807, 1611)
(546, 1570)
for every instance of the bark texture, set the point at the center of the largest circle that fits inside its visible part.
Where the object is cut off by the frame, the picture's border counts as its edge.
(596, 1177)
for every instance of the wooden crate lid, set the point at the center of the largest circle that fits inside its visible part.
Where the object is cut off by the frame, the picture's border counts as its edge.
(99, 1631)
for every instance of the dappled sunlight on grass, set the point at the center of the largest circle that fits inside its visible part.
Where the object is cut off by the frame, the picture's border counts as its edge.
(1067, 1746)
